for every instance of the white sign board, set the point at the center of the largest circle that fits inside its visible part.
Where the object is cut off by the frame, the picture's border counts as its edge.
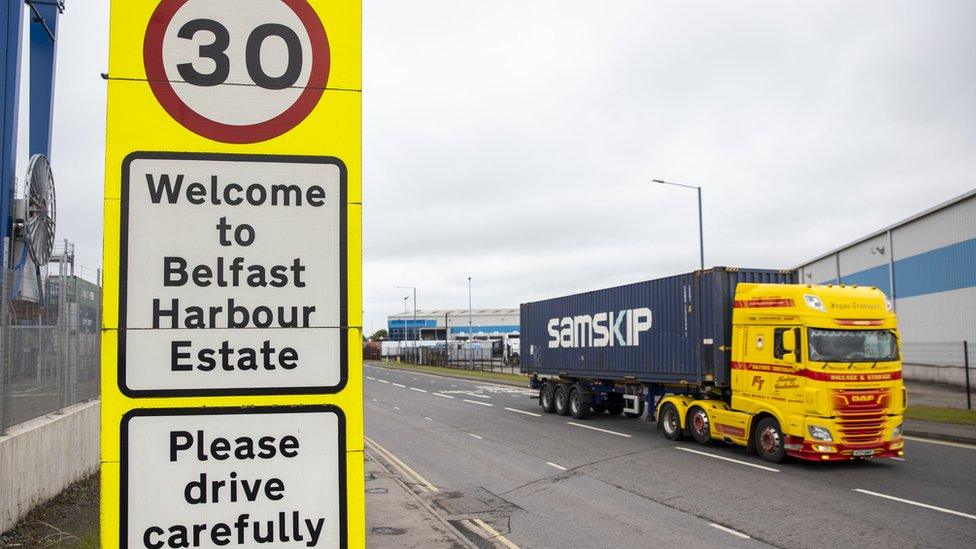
(231, 477)
(233, 275)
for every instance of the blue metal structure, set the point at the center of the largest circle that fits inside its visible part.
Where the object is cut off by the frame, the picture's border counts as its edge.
(43, 47)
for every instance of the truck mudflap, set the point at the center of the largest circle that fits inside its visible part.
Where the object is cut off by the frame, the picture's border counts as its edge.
(815, 450)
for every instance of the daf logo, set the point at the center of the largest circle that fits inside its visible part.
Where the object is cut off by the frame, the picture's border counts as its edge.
(862, 398)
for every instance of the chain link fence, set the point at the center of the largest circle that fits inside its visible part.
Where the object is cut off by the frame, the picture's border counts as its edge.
(49, 343)
(482, 360)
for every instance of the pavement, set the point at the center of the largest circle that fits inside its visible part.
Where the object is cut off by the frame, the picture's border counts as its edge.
(484, 453)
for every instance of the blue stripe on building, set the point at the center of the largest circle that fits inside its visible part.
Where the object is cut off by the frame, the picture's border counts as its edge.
(485, 329)
(951, 267)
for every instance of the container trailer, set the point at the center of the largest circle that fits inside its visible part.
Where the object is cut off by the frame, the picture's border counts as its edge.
(744, 356)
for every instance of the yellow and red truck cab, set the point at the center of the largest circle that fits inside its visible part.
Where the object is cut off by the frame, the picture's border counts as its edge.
(816, 374)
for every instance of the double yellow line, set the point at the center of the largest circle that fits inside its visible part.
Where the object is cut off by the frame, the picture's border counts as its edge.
(477, 525)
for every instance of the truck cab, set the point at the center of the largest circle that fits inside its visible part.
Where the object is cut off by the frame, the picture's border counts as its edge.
(815, 374)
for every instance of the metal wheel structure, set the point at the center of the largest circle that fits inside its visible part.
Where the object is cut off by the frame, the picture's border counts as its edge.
(40, 216)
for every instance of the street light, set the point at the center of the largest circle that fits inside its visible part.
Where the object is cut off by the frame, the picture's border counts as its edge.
(470, 330)
(701, 238)
(414, 308)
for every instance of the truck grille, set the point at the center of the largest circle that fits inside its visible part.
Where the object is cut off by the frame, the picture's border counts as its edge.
(861, 428)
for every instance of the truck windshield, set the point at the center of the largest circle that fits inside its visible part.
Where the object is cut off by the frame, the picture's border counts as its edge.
(852, 345)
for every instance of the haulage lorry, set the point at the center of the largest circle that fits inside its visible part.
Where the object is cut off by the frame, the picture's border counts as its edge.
(748, 357)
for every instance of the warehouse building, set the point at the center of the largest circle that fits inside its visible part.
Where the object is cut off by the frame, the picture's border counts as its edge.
(927, 265)
(454, 324)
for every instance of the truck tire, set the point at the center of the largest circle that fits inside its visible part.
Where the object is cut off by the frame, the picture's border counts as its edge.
(561, 400)
(698, 425)
(669, 423)
(546, 398)
(579, 406)
(768, 439)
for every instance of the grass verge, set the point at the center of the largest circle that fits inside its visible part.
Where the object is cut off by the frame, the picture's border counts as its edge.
(458, 372)
(942, 415)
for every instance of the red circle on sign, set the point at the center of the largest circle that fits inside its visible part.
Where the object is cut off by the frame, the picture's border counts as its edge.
(162, 88)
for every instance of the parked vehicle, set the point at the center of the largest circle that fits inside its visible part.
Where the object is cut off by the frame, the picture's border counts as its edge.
(748, 357)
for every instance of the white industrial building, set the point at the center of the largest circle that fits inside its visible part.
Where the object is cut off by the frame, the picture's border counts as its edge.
(453, 324)
(927, 265)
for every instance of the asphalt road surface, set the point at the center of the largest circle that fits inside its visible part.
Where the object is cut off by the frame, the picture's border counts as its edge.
(545, 480)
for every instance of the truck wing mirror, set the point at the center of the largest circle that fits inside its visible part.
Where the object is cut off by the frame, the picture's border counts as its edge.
(789, 344)
(789, 358)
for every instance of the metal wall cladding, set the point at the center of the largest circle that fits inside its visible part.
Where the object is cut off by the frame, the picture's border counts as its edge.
(688, 338)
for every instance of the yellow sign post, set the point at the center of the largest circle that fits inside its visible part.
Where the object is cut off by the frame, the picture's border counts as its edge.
(231, 343)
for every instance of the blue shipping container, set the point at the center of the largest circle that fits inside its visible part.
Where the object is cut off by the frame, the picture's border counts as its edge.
(669, 330)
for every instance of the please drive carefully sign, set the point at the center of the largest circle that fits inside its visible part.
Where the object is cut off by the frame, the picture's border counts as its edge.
(232, 411)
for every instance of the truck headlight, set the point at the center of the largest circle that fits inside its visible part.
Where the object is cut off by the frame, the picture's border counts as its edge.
(896, 432)
(814, 302)
(819, 433)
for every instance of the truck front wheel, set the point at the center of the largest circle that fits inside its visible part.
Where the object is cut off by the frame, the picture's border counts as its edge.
(578, 407)
(769, 440)
(698, 424)
(668, 422)
(546, 398)
(561, 400)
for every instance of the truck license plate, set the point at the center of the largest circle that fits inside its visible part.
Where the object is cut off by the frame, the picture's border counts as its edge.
(863, 452)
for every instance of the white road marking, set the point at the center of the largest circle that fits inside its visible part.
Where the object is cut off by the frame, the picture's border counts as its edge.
(373, 378)
(899, 459)
(556, 465)
(396, 407)
(374, 400)
(475, 436)
(478, 402)
(432, 381)
(746, 463)
(398, 385)
(942, 442)
(427, 418)
(418, 390)
(533, 414)
(443, 395)
(453, 385)
(910, 502)
(729, 530)
(599, 429)
(382, 381)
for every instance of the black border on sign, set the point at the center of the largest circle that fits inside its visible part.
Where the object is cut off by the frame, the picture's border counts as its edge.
(142, 412)
(343, 275)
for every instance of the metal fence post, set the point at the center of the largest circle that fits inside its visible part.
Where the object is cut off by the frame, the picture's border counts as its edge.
(969, 393)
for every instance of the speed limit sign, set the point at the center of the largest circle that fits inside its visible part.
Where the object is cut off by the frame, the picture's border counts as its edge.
(237, 71)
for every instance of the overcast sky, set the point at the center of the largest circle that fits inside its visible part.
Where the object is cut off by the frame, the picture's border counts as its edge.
(514, 141)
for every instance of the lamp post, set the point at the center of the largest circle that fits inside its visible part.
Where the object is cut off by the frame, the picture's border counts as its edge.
(470, 329)
(414, 311)
(701, 237)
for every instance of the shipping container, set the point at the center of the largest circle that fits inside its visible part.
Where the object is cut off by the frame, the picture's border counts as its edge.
(671, 330)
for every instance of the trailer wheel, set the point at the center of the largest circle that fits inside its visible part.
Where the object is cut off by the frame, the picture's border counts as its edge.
(769, 440)
(561, 400)
(698, 424)
(668, 422)
(578, 407)
(546, 398)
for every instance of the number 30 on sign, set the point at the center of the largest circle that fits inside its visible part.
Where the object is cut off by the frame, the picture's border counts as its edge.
(237, 71)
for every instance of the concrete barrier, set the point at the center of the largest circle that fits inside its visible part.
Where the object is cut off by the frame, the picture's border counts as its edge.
(42, 457)
(945, 374)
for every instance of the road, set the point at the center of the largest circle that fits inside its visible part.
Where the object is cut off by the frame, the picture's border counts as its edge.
(545, 480)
